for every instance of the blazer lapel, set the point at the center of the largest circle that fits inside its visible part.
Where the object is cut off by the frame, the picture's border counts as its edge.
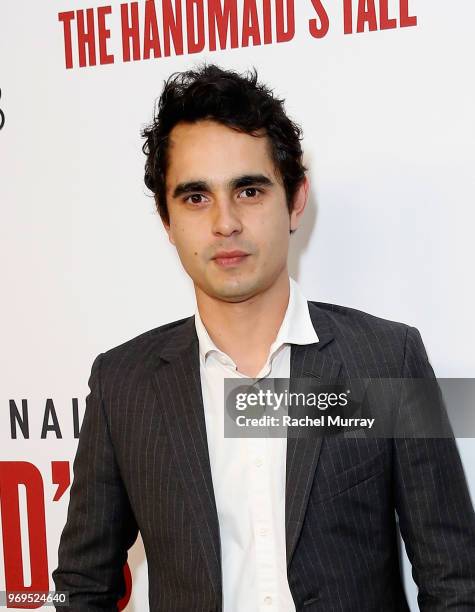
(303, 452)
(178, 385)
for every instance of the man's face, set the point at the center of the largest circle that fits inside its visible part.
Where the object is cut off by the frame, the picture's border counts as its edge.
(227, 207)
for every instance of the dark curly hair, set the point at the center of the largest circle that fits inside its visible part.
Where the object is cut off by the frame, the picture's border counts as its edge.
(236, 100)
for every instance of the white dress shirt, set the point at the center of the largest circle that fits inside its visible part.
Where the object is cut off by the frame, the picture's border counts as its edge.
(249, 474)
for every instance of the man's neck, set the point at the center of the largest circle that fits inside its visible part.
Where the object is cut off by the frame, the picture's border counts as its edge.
(245, 330)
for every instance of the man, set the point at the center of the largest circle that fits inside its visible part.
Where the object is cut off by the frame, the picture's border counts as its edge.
(252, 524)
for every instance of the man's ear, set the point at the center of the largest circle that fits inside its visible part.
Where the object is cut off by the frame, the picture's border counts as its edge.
(299, 203)
(166, 225)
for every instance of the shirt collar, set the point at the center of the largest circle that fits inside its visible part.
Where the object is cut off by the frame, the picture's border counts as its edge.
(296, 327)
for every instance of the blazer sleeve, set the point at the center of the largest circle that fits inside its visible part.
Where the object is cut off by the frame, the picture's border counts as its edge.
(436, 515)
(100, 525)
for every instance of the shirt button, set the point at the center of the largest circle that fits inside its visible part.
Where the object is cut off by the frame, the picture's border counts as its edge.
(268, 600)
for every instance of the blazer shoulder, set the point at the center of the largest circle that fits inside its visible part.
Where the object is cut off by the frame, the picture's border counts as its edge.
(359, 330)
(144, 348)
(368, 344)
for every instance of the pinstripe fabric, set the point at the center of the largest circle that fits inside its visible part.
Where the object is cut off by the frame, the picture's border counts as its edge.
(142, 463)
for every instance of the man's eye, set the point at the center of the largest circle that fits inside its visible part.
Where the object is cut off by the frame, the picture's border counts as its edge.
(195, 198)
(249, 192)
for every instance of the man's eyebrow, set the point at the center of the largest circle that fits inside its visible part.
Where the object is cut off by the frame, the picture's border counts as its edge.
(250, 179)
(240, 181)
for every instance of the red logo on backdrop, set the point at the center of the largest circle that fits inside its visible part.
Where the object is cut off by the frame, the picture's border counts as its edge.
(152, 30)
(14, 474)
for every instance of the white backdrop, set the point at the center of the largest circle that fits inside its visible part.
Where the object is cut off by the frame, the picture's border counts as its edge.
(389, 137)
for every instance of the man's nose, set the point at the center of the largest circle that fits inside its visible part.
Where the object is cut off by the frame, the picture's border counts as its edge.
(225, 217)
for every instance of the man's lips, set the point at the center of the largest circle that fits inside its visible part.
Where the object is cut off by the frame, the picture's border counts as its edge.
(229, 258)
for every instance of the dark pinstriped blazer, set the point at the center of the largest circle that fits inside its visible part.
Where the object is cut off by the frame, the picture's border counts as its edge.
(142, 464)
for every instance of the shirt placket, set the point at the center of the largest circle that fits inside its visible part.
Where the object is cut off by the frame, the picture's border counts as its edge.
(262, 518)
(263, 527)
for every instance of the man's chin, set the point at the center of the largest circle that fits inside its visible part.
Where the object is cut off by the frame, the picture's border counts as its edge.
(236, 291)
